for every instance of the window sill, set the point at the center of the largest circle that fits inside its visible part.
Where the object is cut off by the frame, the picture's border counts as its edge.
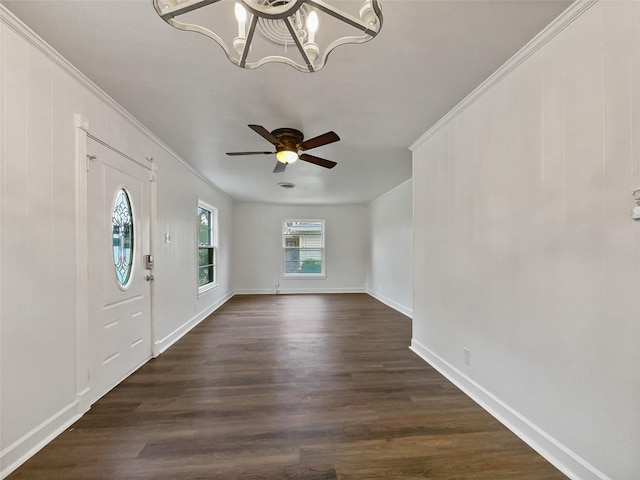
(206, 288)
(304, 276)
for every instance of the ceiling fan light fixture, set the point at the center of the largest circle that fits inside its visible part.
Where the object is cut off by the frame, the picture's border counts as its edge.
(298, 33)
(286, 156)
(288, 142)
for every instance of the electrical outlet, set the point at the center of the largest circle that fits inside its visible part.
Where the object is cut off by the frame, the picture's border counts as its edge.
(466, 355)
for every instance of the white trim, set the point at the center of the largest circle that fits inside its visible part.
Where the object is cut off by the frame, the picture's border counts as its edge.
(82, 260)
(550, 31)
(408, 311)
(153, 215)
(85, 395)
(322, 275)
(389, 192)
(213, 230)
(303, 276)
(13, 22)
(32, 442)
(286, 291)
(207, 287)
(564, 459)
(3, 156)
(163, 344)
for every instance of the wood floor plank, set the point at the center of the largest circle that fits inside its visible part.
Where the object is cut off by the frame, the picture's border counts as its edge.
(313, 387)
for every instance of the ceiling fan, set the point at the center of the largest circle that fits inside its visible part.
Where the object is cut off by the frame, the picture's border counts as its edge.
(289, 142)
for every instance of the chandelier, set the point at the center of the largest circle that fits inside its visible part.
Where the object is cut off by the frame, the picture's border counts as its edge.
(299, 33)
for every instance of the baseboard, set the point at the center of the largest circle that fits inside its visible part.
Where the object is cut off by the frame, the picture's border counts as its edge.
(162, 345)
(563, 458)
(84, 400)
(29, 444)
(390, 303)
(286, 291)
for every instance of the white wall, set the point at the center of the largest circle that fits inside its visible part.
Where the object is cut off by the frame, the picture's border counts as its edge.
(41, 349)
(389, 278)
(178, 307)
(258, 257)
(525, 251)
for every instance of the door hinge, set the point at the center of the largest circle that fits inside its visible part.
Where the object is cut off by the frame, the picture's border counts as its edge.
(89, 159)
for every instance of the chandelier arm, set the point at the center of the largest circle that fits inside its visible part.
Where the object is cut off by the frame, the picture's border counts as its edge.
(296, 40)
(247, 45)
(276, 59)
(345, 17)
(271, 11)
(188, 27)
(322, 60)
(184, 7)
(168, 14)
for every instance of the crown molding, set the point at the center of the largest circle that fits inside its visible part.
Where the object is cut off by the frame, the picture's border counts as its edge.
(10, 20)
(561, 22)
(391, 191)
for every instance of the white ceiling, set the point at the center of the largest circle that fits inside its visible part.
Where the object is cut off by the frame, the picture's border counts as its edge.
(379, 97)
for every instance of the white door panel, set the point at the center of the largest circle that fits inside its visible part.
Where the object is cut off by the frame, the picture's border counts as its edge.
(119, 316)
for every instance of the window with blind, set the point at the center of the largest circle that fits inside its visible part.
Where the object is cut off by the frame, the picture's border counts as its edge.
(303, 247)
(207, 247)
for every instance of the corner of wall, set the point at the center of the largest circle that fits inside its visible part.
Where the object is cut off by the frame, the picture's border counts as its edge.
(550, 448)
(33, 441)
(160, 346)
(403, 309)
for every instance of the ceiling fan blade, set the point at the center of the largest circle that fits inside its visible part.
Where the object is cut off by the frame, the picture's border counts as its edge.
(320, 140)
(235, 154)
(279, 167)
(317, 160)
(266, 134)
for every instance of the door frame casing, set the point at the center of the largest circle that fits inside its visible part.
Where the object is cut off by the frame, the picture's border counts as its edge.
(83, 340)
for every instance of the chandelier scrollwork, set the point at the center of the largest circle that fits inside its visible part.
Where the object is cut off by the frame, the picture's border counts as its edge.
(299, 33)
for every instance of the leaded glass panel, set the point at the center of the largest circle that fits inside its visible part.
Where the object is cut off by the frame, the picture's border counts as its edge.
(122, 241)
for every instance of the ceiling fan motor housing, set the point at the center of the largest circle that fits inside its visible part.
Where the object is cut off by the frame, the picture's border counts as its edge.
(288, 142)
(289, 139)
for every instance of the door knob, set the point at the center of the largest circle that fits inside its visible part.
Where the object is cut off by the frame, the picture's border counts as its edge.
(149, 278)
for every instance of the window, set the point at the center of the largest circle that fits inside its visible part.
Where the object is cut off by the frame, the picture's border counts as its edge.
(303, 245)
(122, 237)
(207, 246)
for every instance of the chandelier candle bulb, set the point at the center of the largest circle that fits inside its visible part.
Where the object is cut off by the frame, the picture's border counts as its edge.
(312, 25)
(241, 16)
(276, 31)
(367, 14)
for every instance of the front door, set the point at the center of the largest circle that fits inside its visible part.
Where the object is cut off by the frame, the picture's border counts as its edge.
(119, 286)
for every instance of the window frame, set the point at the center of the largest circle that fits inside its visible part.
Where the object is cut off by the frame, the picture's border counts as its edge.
(134, 237)
(212, 247)
(306, 275)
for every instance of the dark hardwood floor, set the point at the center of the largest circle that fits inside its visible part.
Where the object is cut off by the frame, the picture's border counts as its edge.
(313, 387)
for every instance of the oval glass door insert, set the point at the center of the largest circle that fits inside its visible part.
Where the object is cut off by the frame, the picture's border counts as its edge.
(122, 241)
